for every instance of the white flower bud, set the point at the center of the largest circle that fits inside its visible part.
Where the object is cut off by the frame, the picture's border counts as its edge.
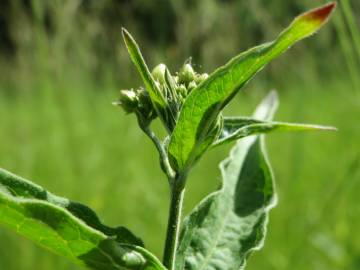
(159, 73)
(182, 91)
(202, 77)
(192, 85)
(186, 74)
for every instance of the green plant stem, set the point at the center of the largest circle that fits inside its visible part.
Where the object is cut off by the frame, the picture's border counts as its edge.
(172, 234)
(177, 184)
(164, 160)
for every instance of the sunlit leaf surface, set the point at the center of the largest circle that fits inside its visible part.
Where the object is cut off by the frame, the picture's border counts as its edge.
(69, 229)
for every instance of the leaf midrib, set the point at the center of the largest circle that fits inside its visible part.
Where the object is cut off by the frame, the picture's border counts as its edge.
(210, 253)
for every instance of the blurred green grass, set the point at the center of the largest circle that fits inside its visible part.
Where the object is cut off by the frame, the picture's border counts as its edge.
(59, 129)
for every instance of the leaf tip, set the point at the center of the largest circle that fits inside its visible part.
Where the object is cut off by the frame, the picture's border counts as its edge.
(322, 128)
(329, 128)
(268, 106)
(125, 34)
(273, 96)
(128, 39)
(319, 15)
(123, 30)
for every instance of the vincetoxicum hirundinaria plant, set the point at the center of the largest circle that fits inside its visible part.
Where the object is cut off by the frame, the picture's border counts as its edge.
(223, 230)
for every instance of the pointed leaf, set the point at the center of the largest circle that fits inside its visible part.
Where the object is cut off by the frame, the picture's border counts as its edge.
(239, 127)
(156, 96)
(205, 102)
(138, 60)
(229, 224)
(69, 229)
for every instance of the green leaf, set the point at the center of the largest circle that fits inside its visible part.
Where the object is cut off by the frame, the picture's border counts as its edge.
(69, 229)
(204, 103)
(223, 230)
(157, 98)
(239, 127)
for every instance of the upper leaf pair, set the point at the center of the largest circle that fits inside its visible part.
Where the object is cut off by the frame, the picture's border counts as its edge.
(204, 103)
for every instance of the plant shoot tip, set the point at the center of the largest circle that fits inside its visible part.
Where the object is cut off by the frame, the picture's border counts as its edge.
(322, 13)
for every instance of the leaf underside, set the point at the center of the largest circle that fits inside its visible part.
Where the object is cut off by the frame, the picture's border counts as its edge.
(229, 224)
(69, 229)
(204, 103)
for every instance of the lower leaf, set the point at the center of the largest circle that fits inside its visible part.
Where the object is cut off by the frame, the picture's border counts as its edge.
(69, 229)
(229, 224)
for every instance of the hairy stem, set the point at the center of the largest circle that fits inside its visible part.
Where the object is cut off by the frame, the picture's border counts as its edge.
(172, 234)
(177, 183)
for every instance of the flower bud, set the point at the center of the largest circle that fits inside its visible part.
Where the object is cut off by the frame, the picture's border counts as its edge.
(128, 100)
(186, 74)
(176, 79)
(202, 77)
(182, 91)
(191, 86)
(159, 73)
(145, 106)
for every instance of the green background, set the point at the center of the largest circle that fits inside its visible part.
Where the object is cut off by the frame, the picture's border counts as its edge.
(62, 63)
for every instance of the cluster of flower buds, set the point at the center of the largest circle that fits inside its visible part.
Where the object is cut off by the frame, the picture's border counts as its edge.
(174, 88)
(182, 83)
(138, 102)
